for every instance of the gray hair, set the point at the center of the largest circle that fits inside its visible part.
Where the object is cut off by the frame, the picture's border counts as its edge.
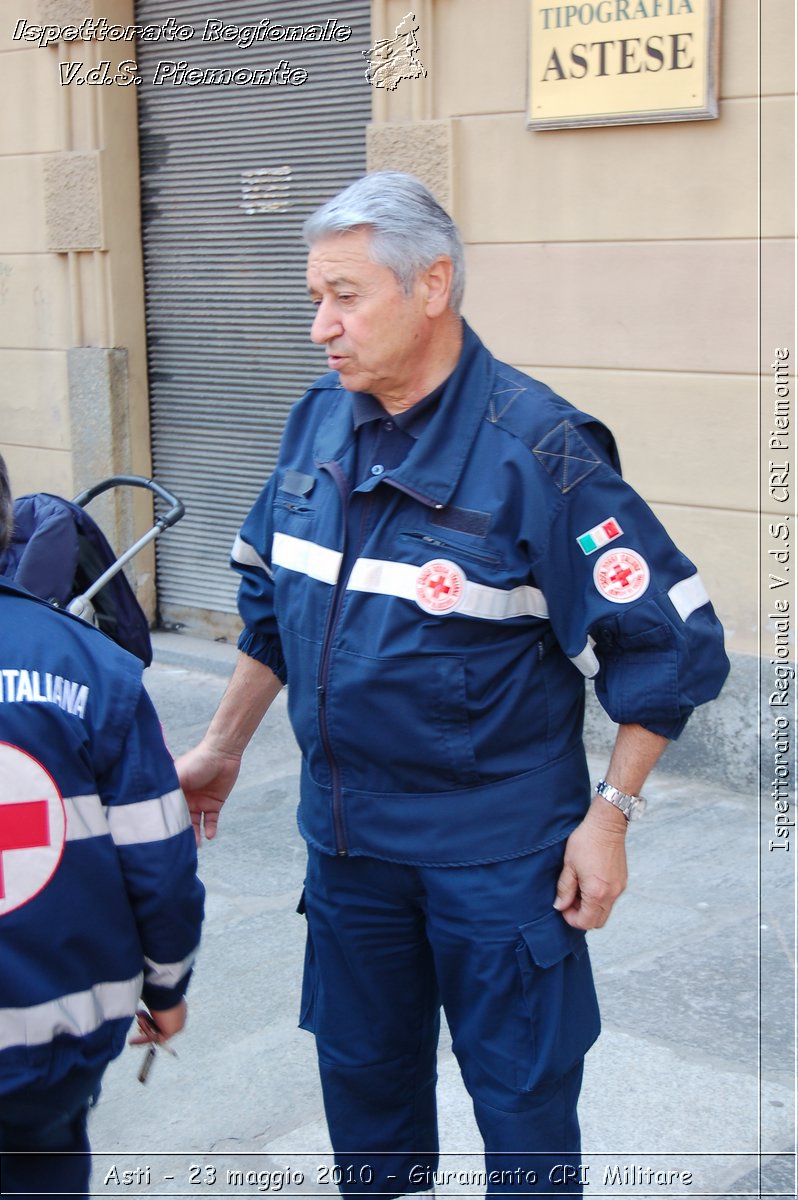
(409, 228)
(6, 507)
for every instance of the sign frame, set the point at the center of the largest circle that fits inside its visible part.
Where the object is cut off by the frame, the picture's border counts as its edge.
(597, 106)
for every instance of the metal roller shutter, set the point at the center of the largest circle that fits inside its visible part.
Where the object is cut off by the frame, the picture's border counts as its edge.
(228, 174)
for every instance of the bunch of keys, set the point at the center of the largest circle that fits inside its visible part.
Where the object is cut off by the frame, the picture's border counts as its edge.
(146, 1024)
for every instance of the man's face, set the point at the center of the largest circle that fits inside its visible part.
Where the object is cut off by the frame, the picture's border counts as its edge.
(376, 336)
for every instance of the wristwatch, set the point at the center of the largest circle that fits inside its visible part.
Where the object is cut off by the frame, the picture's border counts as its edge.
(632, 807)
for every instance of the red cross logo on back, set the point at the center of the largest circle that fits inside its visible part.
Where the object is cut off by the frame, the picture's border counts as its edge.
(22, 827)
(32, 827)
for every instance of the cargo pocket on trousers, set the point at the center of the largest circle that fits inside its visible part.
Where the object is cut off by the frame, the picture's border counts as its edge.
(307, 1003)
(560, 999)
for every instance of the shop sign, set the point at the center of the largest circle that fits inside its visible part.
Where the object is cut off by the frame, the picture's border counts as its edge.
(622, 62)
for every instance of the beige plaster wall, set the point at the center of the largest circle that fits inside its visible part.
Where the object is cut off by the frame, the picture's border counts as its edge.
(639, 270)
(71, 272)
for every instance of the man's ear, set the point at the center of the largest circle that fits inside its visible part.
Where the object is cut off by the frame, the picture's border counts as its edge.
(438, 282)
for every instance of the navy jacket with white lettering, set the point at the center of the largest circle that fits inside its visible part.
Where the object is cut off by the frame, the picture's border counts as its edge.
(436, 623)
(99, 899)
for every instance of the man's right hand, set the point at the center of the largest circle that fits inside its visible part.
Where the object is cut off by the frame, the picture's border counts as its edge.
(208, 772)
(207, 777)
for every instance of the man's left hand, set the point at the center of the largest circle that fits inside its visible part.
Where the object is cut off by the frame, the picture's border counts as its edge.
(160, 1025)
(594, 870)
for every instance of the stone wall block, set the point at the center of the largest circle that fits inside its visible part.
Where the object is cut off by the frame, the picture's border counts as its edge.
(72, 201)
(423, 148)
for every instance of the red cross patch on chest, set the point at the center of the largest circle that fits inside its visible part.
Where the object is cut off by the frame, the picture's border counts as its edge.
(439, 586)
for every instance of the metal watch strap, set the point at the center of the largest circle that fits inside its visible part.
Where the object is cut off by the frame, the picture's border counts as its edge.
(631, 806)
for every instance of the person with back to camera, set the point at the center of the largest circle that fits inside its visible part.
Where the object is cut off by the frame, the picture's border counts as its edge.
(445, 551)
(100, 904)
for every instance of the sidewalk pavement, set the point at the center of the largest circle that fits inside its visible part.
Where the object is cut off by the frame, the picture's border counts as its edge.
(689, 1091)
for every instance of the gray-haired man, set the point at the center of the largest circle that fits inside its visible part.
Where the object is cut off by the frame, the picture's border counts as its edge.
(445, 550)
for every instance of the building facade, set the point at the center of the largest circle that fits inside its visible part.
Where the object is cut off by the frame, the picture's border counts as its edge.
(151, 291)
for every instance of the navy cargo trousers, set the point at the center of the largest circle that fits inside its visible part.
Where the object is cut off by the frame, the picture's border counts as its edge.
(388, 945)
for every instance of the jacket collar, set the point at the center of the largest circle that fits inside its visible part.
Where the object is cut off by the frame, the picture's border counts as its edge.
(434, 465)
(7, 584)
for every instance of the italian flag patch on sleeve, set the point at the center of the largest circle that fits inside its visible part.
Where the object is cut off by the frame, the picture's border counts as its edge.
(599, 535)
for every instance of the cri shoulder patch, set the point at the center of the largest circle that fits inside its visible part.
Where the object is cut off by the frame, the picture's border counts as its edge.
(566, 456)
(621, 575)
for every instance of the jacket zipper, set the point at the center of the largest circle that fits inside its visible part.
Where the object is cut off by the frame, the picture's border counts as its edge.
(324, 668)
(342, 485)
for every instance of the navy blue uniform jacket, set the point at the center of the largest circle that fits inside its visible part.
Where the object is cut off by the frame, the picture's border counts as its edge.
(436, 623)
(99, 900)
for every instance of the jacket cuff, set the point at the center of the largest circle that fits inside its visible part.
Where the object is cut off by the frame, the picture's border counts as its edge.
(667, 729)
(266, 650)
(159, 998)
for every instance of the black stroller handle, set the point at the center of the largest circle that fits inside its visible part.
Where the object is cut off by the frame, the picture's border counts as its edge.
(176, 511)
